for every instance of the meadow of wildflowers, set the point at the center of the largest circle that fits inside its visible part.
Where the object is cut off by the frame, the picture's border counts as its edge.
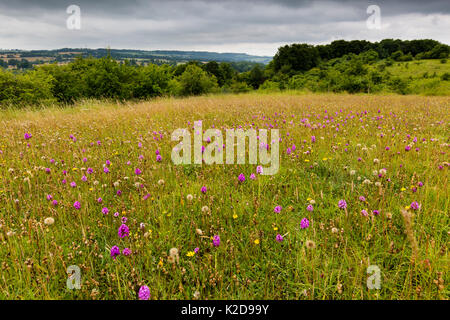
(362, 181)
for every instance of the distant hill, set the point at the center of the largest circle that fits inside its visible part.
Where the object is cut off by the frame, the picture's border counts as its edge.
(172, 57)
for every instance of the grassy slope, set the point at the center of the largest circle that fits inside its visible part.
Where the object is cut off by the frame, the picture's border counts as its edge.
(34, 256)
(432, 85)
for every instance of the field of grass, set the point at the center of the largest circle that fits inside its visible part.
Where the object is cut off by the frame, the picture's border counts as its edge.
(386, 156)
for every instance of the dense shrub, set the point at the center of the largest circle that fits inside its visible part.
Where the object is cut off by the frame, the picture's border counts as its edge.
(24, 89)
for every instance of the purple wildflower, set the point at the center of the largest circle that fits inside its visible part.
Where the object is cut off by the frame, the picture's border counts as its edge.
(115, 251)
(259, 169)
(415, 205)
(279, 238)
(342, 204)
(216, 241)
(77, 205)
(123, 231)
(304, 223)
(144, 293)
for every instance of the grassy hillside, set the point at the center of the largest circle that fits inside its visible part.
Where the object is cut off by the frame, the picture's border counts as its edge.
(424, 76)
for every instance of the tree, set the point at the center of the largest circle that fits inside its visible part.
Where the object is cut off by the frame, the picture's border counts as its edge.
(226, 74)
(256, 77)
(195, 81)
(152, 81)
(397, 55)
(295, 57)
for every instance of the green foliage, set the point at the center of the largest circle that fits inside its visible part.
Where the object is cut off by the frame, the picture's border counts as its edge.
(239, 87)
(195, 81)
(342, 66)
(398, 85)
(270, 86)
(153, 81)
(296, 57)
(25, 89)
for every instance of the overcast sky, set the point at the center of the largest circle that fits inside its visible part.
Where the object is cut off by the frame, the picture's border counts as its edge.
(251, 26)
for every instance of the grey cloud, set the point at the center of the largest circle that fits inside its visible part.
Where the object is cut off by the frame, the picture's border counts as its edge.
(254, 26)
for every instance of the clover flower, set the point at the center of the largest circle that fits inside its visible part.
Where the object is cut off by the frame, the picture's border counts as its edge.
(49, 221)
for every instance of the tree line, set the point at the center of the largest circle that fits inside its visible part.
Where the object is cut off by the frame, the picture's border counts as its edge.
(339, 66)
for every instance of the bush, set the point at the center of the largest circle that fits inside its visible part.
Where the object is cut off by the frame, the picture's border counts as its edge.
(399, 85)
(30, 88)
(270, 86)
(239, 87)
